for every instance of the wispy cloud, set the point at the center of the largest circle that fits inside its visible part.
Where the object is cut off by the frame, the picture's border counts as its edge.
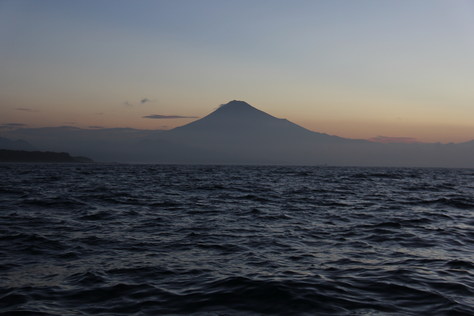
(96, 127)
(26, 109)
(392, 140)
(141, 101)
(12, 125)
(161, 117)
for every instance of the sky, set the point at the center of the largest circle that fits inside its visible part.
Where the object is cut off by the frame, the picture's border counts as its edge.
(356, 69)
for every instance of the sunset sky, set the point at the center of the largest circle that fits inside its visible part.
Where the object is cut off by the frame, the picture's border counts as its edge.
(356, 69)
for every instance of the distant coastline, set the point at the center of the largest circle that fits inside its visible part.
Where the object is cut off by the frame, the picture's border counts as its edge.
(7, 155)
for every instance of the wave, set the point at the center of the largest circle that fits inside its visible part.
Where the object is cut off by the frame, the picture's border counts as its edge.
(230, 240)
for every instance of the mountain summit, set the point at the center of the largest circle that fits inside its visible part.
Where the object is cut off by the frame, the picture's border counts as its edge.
(236, 105)
(235, 115)
(238, 109)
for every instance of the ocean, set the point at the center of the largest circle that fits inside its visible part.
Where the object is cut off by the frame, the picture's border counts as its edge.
(123, 239)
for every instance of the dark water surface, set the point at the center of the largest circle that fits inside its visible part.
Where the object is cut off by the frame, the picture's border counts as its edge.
(223, 240)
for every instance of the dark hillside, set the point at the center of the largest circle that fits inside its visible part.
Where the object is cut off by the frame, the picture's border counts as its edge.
(38, 156)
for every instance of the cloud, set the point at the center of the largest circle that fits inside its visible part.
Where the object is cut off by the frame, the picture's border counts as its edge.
(393, 140)
(141, 101)
(161, 117)
(26, 109)
(96, 127)
(12, 125)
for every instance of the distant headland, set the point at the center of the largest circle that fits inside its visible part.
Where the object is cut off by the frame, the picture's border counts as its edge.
(7, 155)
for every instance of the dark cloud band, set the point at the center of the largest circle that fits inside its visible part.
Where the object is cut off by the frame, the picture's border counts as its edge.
(25, 109)
(162, 117)
(12, 125)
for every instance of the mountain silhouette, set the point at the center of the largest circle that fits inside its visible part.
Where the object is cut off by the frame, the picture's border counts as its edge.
(239, 120)
(238, 133)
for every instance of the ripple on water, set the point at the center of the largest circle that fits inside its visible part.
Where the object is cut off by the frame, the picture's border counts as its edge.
(215, 240)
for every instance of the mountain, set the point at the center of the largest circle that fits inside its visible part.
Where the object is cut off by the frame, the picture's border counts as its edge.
(238, 120)
(468, 143)
(238, 133)
(6, 143)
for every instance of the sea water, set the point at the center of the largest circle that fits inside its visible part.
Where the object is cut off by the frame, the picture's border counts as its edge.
(99, 239)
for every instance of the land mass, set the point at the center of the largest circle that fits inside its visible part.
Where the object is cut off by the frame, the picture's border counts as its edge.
(18, 144)
(7, 155)
(238, 133)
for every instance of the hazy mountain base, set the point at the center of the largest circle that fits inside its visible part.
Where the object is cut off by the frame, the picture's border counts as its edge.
(423, 155)
(10, 144)
(159, 147)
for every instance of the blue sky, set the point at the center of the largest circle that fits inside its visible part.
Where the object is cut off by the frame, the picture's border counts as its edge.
(350, 68)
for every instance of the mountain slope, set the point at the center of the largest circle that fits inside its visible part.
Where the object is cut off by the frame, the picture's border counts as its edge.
(6, 143)
(238, 133)
(237, 120)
